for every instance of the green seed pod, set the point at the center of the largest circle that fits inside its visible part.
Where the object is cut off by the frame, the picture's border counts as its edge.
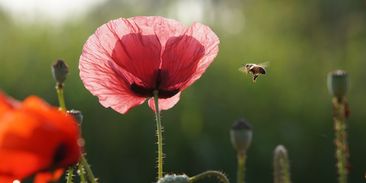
(241, 135)
(77, 115)
(174, 179)
(338, 83)
(60, 71)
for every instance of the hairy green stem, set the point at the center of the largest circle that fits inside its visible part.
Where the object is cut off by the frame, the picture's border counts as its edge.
(159, 134)
(88, 170)
(208, 174)
(70, 175)
(240, 176)
(81, 173)
(340, 138)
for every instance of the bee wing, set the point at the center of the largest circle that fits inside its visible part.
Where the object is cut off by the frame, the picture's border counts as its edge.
(264, 64)
(243, 69)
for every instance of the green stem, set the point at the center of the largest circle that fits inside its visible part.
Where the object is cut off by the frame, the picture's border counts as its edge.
(159, 134)
(241, 168)
(88, 170)
(61, 101)
(83, 162)
(207, 174)
(81, 173)
(340, 139)
(70, 175)
(60, 95)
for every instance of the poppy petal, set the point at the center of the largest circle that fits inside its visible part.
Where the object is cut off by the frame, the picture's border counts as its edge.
(116, 56)
(47, 177)
(6, 103)
(6, 179)
(164, 104)
(36, 137)
(12, 164)
(187, 57)
(23, 142)
(136, 50)
(103, 79)
(210, 41)
(163, 28)
(67, 129)
(180, 60)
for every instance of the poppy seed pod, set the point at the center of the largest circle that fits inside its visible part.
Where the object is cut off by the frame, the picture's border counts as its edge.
(77, 115)
(60, 71)
(174, 179)
(338, 83)
(241, 135)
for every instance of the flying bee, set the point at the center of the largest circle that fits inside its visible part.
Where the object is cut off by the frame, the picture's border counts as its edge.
(254, 69)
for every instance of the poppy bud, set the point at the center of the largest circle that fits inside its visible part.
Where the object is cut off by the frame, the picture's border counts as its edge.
(78, 116)
(241, 135)
(338, 83)
(60, 71)
(174, 179)
(281, 165)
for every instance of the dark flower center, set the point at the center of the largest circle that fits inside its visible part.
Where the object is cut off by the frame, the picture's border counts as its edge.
(149, 92)
(60, 153)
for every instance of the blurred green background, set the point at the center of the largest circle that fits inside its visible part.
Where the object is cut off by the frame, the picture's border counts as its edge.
(302, 40)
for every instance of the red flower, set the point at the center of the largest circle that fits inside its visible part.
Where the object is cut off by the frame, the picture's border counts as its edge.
(125, 60)
(35, 138)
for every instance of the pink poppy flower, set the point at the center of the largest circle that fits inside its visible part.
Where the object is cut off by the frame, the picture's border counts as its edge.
(125, 60)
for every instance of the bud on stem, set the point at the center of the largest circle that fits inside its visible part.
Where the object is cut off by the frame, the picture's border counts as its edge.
(241, 135)
(78, 116)
(281, 165)
(173, 178)
(59, 72)
(241, 138)
(338, 83)
(338, 86)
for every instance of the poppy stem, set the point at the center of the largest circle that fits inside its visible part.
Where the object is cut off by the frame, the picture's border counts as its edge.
(210, 173)
(88, 170)
(159, 134)
(70, 175)
(340, 141)
(61, 101)
(60, 95)
(81, 173)
(241, 167)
